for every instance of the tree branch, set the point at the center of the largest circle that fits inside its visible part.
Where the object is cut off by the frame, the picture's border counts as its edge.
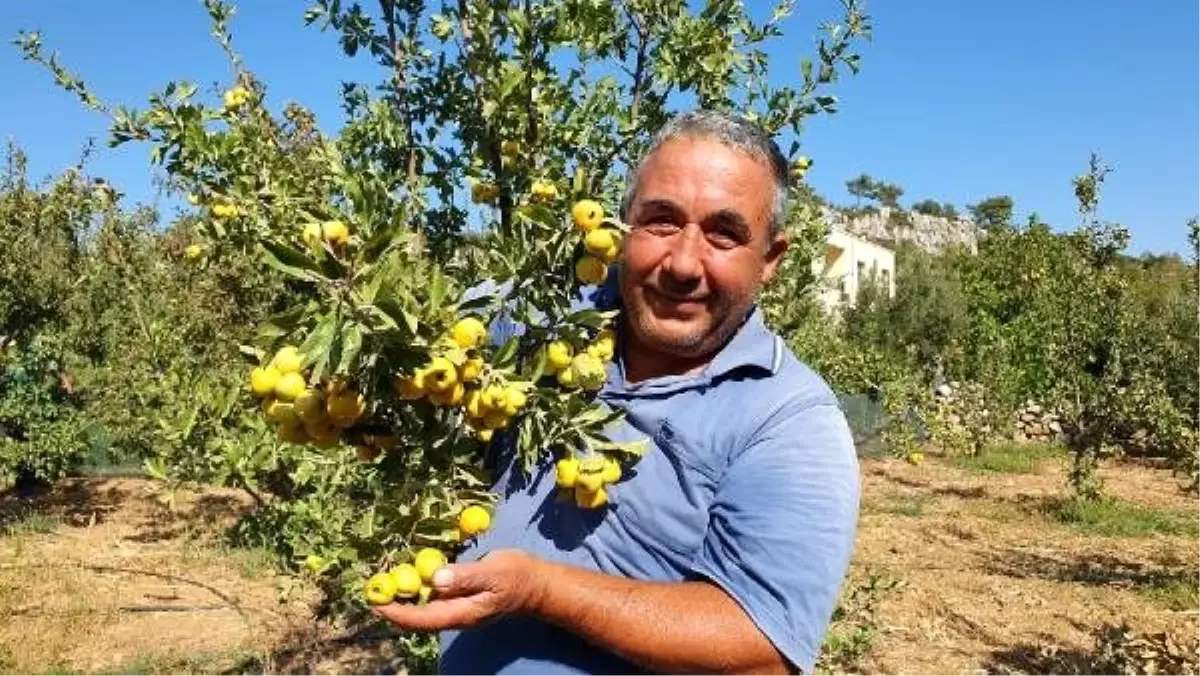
(489, 143)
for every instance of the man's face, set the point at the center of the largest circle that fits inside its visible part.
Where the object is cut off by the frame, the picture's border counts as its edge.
(699, 247)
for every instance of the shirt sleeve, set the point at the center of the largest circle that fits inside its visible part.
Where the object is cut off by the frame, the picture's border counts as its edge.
(782, 527)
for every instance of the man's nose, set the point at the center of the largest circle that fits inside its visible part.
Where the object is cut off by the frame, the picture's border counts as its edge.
(684, 262)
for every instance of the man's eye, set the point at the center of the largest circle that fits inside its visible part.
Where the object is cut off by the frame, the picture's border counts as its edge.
(722, 239)
(659, 228)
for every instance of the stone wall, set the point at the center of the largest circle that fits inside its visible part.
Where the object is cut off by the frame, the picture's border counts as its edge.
(1034, 423)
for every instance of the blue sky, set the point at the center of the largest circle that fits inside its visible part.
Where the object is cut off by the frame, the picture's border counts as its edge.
(957, 100)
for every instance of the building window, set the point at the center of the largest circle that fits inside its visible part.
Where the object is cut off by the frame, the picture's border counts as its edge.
(887, 281)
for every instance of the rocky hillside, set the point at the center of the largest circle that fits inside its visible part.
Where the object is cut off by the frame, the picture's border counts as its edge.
(889, 227)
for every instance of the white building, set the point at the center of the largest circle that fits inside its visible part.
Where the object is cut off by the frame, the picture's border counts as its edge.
(848, 263)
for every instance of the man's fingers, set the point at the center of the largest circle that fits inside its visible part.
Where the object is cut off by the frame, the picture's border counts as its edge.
(433, 616)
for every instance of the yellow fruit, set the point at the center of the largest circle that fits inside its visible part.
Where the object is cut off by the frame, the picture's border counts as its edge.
(236, 98)
(568, 378)
(566, 472)
(589, 480)
(193, 253)
(587, 215)
(590, 270)
(322, 433)
(311, 235)
(612, 254)
(496, 420)
(288, 360)
(335, 232)
(516, 401)
(293, 433)
(224, 210)
(590, 499)
(473, 403)
(441, 28)
(427, 562)
(603, 346)
(558, 355)
(263, 380)
(484, 193)
(485, 435)
(470, 370)
(408, 580)
(492, 398)
(411, 387)
(510, 148)
(598, 241)
(469, 333)
(589, 371)
(915, 458)
(290, 386)
(441, 375)
(345, 408)
(451, 397)
(611, 473)
(474, 520)
(310, 405)
(424, 595)
(279, 411)
(543, 191)
(314, 563)
(381, 589)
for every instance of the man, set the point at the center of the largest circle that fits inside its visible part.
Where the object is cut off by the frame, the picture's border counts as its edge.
(725, 548)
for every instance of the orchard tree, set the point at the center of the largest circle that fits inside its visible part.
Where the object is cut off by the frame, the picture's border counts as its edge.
(371, 401)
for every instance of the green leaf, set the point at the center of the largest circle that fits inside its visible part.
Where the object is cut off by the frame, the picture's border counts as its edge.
(506, 354)
(352, 341)
(291, 262)
(398, 317)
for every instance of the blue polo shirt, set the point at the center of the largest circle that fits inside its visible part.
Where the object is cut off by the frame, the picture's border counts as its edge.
(750, 481)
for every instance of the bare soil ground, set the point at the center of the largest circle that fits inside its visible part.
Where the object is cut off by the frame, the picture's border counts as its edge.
(956, 572)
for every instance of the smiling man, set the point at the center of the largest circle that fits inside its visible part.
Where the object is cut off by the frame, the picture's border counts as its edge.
(725, 547)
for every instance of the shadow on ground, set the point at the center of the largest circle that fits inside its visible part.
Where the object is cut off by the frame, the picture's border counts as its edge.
(1102, 570)
(1117, 649)
(313, 649)
(76, 503)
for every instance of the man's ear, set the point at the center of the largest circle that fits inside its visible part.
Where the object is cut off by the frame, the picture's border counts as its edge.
(775, 251)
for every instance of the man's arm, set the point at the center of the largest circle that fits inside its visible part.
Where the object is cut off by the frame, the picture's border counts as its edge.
(669, 627)
(779, 543)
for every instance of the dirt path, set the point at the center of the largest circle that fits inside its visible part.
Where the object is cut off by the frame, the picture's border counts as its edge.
(956, 572)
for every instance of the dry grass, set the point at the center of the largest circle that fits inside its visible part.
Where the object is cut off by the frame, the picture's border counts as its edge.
(956, 571)
(112, 581)
(990, 578)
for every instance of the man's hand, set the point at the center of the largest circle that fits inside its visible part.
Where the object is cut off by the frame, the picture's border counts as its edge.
(467, 594)
(680, 627)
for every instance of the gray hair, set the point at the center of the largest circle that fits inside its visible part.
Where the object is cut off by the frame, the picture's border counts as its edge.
(733, 131)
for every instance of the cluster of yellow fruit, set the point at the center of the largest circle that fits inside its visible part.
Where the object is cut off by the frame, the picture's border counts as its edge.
(224, 210)
(588, 479)
(335, 232)
(413, 580)
(603, 244)
(586, 368)
(457, 375)
(543, 191)
(305, 414)
(236, 97)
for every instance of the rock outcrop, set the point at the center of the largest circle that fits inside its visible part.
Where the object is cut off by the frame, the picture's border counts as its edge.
(890, 227)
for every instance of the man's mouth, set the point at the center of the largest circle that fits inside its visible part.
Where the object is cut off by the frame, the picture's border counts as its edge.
(687, 303)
